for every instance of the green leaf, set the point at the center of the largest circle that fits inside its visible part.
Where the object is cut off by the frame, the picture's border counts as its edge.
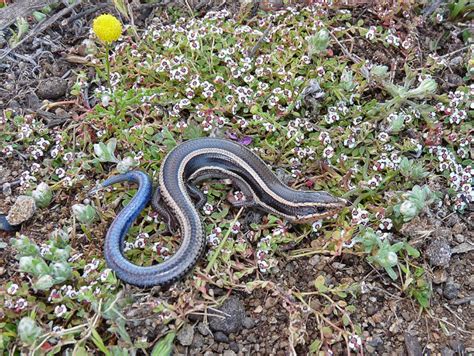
(319, 283)
(413, 252)
(391, 273)
(81, 351)
(99, 342)
(193, 131)
(315, 346)
(121, 7)
(164, 346)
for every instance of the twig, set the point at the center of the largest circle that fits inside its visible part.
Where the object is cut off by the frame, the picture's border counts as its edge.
(43, 26)
(19, 9)
(456, 51)
(464, 300)
(251, 53)
(86, 12)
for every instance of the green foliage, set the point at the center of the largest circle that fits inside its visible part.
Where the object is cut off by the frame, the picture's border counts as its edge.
(414, 202)
(105, 152)
(381, 252)
(412, 169)
(164, 346)
(318, 43)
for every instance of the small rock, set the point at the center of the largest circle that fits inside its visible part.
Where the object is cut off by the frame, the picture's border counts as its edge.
(221, 337)
(313, 261)
(375, 342)
(451, 290)
(234, 346)
(234, 313)
(52, 88)
(248, 323)
(453, 79)
(23, 209)
(7, 189)
(2, 271)
(203, 329)
(440, 276)
(372, 309)
(460, 238)
(185, 335)
(439, 252)
(198, 341)
(229, 353)
(251, 339)
(463, 248)
(337, 265)
(270, 302)
(412, 345)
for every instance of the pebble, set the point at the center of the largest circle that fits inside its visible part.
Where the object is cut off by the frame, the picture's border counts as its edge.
(451, 290)
(439, 252)
(22, 210)
(248, 323)
(185, 335)
(198, 341)
(234, 314)
(52, 88)
(7, 189)
(412, 345)
(337, 265)
(459, 238)
(313, 261)
(203, 329)
(372, 309)
(453, 80)
(234, 346)
(440, 276)
(229, 353)
(221, 337)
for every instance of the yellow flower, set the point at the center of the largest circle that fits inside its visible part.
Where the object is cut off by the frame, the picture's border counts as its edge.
(107, 28)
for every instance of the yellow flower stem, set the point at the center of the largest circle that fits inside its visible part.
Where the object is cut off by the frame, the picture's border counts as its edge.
(107, 64)
(107, 69)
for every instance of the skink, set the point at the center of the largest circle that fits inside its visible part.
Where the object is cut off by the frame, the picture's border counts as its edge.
(186, 165)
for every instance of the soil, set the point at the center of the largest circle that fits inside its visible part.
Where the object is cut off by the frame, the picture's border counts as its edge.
(44, 67)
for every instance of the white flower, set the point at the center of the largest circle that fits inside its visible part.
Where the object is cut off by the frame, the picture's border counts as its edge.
(12, 289)
(60, 310)
(317, 225)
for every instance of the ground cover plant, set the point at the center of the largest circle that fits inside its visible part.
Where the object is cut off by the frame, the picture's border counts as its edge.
(333, 99)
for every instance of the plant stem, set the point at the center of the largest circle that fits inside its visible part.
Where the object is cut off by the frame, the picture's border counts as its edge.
(109, 82)
(107, 64)
(221, 245)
